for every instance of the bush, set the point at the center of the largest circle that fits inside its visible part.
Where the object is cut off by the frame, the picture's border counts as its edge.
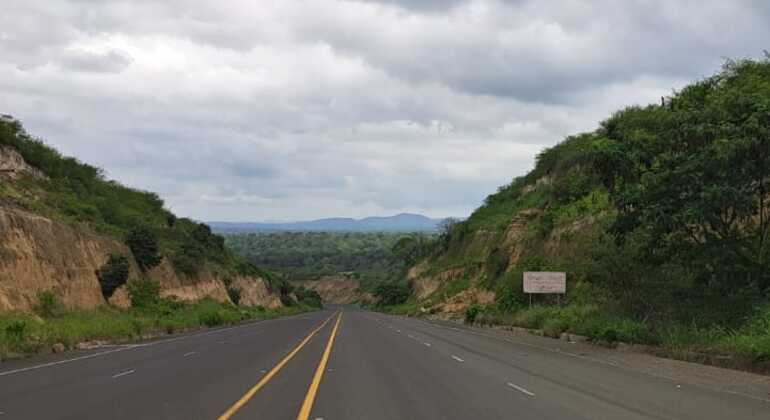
(234, 294)
(211, 318)
(471, 313)
(144, 246)
(144, 293)
(113, 274)
(308, 297)
(16, 331)
(47, 305)
(392, 293)
(509, 295)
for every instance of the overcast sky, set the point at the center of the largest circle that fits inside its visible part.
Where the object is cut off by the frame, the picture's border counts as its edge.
(285, 110)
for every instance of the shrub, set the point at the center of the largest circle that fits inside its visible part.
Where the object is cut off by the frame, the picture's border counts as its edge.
(234, 294)
(211, 318)
(308, 297)
(47, 305)
(113, 274)
(471, 313)
(144, 246)
(144, 293)
(508, 294)
(392, 293)
(16, 331)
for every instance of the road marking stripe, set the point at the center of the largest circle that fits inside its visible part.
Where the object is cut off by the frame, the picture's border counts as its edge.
(307, 405)
(188, 354)
(520, 389)
(457, 358)
(142, 345)
(427, 344)
(250, 393)
(61, 362)
(128, 372)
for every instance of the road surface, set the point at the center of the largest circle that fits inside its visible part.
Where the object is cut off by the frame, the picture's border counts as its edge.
(343, 363)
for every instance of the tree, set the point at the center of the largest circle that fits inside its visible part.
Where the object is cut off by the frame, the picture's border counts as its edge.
(144, 245)
(113, 274)
(392, 293)
(696, 177)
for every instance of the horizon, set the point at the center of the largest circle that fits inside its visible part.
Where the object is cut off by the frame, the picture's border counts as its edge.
(410, 106)
(324, 218)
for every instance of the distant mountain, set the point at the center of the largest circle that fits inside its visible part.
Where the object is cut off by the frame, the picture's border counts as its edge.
(404, 222)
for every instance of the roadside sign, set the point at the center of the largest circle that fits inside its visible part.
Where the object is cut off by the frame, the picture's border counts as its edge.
(545, 282)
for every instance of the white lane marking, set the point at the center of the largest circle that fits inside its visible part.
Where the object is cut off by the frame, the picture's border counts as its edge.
(753, 397)
(410, 336)
(457, 358)
(549, 349)
(520, 389)
(61, 362)
(188, 354)
(427, 344)
(128, 372)
(398, 331)
(134, 346)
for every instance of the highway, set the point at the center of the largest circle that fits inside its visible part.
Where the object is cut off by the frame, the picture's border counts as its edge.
(344, 363)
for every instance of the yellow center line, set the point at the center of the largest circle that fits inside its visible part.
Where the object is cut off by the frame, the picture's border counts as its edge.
(250, 393)
(304, 413)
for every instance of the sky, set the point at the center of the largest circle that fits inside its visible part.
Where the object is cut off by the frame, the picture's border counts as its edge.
(244, 110)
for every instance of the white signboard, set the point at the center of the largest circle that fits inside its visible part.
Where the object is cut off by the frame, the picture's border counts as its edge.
(545, 282)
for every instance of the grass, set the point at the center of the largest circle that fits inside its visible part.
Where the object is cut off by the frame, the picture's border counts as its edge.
(745, 346)
(26, 334)
(587, 320)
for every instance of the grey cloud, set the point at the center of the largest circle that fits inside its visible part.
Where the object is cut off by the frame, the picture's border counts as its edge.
(299, 109)
(105, 62)
(420, 5)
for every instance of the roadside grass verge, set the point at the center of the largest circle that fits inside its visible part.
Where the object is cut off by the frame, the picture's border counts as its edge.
(24, 334)
(586, 320)
(744, 347)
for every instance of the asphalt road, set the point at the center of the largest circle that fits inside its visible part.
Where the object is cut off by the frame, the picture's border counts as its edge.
(343, 363)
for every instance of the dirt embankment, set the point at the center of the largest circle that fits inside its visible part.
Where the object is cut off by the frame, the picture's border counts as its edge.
(428, 285)
(339, 289)
(38, 254)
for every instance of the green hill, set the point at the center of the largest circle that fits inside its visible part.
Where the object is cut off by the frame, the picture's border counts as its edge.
(659, 217)
(96, 260)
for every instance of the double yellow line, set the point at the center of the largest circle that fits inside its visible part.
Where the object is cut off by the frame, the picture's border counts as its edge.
(307, 405)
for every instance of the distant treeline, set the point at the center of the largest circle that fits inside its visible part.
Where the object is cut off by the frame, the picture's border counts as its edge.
(371, 257)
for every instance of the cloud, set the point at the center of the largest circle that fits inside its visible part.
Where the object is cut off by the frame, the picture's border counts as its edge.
(299, 109)
(97, 62)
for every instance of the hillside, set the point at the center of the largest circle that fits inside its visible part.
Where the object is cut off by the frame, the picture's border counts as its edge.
(659, 217)
(403, 222)
(73, 241)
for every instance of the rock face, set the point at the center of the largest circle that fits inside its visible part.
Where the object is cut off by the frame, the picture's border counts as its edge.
(38, 254)
(12, 165)
(256, 291)
(339, 289)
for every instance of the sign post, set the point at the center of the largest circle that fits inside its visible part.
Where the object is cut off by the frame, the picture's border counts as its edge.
(545, 282)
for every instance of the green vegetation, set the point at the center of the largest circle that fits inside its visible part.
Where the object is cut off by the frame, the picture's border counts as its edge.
(79, 194)
(113, 274)
(392, 293)
(22, 334)
(308, 297)
(373, 258)
(660, 217)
